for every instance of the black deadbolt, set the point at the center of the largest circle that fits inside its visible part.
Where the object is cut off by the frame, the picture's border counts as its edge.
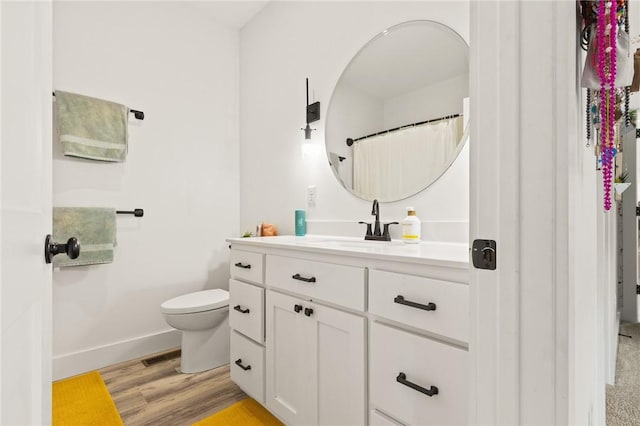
(483, 254)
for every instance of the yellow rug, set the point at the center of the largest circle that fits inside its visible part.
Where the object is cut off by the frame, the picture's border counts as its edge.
(83, 400)
(243, 413)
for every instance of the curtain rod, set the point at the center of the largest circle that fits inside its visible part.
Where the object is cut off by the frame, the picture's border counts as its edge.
(350, 141)
(137, 114)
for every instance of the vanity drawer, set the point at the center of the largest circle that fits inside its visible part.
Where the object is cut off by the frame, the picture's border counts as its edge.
(343, 285)
(425, 363)
(246, 265)
(393, 296)
(246, 309)
(247, 366)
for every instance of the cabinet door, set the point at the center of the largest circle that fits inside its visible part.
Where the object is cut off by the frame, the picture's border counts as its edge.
(289, 373)
(339, 356)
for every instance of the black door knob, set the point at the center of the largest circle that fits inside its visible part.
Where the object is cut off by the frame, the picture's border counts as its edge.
(71, 248)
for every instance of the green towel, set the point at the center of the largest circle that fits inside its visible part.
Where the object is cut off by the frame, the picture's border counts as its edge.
(91, 128)
(94, 227)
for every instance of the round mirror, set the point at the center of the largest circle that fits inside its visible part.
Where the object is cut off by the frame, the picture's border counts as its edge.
(395, 122)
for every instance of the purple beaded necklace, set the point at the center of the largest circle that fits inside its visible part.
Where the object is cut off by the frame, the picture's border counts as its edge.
(606, 35)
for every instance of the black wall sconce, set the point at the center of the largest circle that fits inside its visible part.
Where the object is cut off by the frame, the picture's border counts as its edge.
(313, 114)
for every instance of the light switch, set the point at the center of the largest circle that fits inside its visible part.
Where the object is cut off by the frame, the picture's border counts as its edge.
(311, 195)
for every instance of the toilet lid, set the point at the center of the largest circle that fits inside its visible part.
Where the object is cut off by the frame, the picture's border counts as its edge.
(198, 301)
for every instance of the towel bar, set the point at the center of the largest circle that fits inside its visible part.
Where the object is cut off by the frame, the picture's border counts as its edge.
(137, 114)
(135, 212)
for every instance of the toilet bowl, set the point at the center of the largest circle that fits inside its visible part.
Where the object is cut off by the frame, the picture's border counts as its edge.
(203, 319)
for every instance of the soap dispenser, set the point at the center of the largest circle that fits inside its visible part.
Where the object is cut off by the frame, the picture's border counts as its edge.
(411, 227)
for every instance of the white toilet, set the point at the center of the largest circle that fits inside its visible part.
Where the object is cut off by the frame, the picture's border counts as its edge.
(203, 318)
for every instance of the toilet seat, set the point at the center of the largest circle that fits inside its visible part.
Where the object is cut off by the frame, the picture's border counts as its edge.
(198, 301)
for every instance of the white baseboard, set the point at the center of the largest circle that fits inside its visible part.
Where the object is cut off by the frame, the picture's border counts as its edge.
(75, 363)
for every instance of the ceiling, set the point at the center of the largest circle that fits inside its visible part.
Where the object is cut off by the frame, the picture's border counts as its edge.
(235, 13)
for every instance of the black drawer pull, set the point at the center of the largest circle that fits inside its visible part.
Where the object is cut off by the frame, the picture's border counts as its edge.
(308, 311)
(301, 278)
(239, 309)
(240, 265)
(239, 364)
(297, 308)
(402, 378)
(428, 307)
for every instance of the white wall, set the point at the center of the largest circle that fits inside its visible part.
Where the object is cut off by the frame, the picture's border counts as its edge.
(419, 104)
(354, 114)
(287, 42)
(182, 169)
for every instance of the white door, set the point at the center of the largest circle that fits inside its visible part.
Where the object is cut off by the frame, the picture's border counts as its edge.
(526, 157)
(339, 356)
(25, 291)
(289, 375)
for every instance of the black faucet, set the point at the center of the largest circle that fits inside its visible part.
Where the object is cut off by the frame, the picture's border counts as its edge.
(376, 235)
(375, 211)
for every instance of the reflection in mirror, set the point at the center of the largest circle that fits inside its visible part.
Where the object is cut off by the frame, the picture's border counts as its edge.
(396, 120)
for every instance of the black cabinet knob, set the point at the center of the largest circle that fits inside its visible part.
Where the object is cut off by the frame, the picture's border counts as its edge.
(297, 308)
(308, 311)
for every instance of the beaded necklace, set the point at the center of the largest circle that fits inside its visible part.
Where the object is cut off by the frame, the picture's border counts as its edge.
(606, 36)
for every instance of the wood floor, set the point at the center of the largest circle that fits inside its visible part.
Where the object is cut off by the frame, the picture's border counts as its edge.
(159, 395)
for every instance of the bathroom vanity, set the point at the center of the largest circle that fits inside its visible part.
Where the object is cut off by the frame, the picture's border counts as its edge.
(331, 330)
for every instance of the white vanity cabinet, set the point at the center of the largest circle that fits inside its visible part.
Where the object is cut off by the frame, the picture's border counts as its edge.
(369, 334)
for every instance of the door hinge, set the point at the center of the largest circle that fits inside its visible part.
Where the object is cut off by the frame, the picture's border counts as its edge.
(483, 254)
(638, 289)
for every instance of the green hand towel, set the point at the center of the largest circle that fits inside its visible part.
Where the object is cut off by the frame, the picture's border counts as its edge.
(94, 227)
(91, 128)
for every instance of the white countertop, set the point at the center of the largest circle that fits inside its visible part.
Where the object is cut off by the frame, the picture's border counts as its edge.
(436, 253)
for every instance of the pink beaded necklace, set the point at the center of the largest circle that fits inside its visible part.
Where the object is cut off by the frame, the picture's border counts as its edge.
(606, 35)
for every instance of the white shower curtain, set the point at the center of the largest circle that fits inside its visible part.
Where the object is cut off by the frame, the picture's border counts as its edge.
(399, 164)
